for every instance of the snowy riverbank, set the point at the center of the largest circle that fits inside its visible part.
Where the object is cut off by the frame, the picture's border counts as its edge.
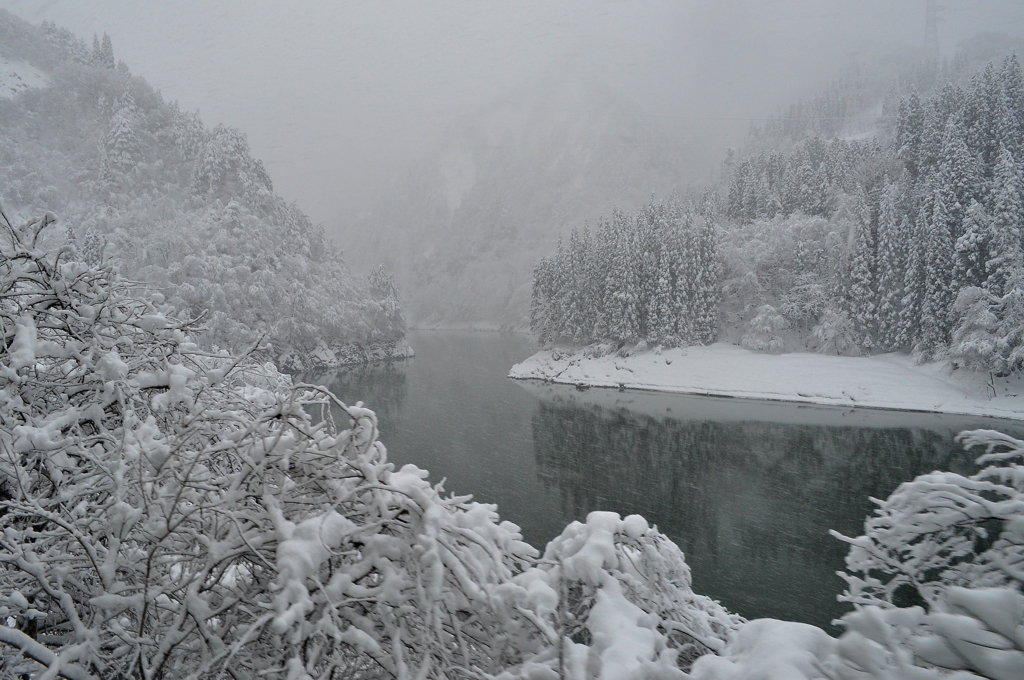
(887, 381)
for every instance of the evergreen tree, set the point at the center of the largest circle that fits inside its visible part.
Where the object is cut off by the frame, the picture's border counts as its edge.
(983, 120)
(107, 53)
(910, 134)
(102, 53)
(1004, 242)
(707, 297)
(972, 248)
(619, 303)
(764, 332)
(937, 301)
(863, 309)
(913, 283)
(976, 342)
(122, 143)
(892, 266)
(960, 172)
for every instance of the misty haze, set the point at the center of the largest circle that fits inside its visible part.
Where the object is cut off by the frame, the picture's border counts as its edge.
(512, 341)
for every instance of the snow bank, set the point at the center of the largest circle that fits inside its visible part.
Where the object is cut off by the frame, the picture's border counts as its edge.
(886, 381)
(17, 76)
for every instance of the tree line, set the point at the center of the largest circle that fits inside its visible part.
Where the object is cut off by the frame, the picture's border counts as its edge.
(652, 276)
(931, 222)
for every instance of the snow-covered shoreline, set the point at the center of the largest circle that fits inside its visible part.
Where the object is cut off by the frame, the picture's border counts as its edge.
(886, 381)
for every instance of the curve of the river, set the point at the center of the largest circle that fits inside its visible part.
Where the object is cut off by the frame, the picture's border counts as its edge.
(747, 489)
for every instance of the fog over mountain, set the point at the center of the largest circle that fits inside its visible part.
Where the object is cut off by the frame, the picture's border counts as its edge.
(455, 141)
(339, 98)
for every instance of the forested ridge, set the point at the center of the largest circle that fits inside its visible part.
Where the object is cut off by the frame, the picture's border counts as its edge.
(910, 240)
(180, 207)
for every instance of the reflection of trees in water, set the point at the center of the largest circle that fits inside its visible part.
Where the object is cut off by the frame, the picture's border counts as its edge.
(380, 386)
(750, 503)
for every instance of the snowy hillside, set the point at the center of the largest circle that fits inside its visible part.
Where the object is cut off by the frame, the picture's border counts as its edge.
(465, 226)
(178, 206)
(17, 76)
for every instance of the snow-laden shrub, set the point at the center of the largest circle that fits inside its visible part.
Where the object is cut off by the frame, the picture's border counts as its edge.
(955, 546)
(173, 513)
(764, 332)
(936, 581)
(625, 601)
(836, 334)
(942, 530)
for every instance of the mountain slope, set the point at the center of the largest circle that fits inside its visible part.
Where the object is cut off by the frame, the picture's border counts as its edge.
(464, 227)
(182, 208)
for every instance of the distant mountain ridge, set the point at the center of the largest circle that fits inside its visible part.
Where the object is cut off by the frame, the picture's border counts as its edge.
(464, 227)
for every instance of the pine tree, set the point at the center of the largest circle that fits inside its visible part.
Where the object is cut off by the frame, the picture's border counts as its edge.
(106, 59)
(910, 134)
(960, 172)
(1004, 242)
(976, 344)
(913, 283)
(1011, 323)
(982, 108)
(102, 53)
(708, 294)
(863, 308)
(892, 265)
(619, 302)
(122, 144)
(682, 270)
(972, 248)
(937, 301)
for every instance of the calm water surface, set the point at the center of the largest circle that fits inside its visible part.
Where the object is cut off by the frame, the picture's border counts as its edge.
(747, 489)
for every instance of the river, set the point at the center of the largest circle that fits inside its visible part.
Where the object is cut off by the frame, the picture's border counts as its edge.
(747, 489)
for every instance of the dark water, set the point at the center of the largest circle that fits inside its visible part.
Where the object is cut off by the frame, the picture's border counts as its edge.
(748, 490)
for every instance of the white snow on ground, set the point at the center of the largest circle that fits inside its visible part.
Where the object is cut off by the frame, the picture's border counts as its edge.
(886, 381)
(17, 76)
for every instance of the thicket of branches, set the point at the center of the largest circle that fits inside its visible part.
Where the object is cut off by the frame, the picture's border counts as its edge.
(169, 512)
(938, 575)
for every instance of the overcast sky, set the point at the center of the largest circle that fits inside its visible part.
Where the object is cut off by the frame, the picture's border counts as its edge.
(338, 96)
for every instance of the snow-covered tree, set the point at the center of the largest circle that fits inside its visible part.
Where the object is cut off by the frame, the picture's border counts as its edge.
(972, 248)
(863, 271)
(892, 267)
(172, 513)
(943, 530)
(835, 333)
(103, 53)
(1004, 238)
(976, 342)
(764, 332)
(938, 294)
(122, 143)
(225, 167)
(953, 544)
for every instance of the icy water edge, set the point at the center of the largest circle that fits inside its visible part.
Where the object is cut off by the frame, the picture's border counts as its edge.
(747, 489)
